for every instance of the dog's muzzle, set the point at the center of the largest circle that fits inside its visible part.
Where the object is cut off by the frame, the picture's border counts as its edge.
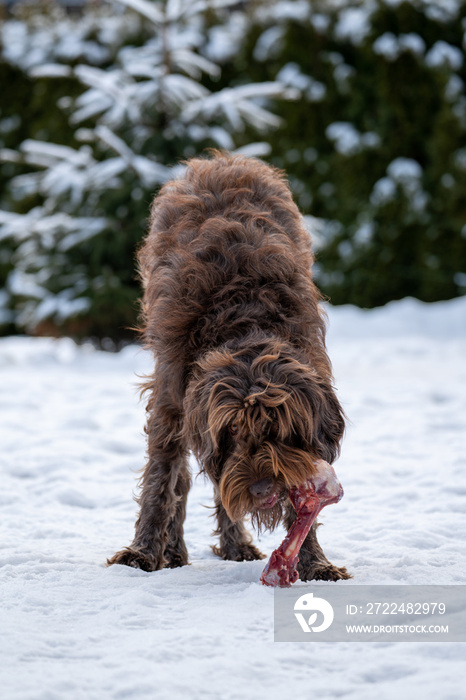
(262, 488)
(265, 492)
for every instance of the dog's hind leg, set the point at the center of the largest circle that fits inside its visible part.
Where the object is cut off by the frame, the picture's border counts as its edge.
(313, 565)
(158, 539)
(235, 541)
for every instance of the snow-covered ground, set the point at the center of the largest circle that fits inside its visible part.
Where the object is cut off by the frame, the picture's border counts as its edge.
(71, 438)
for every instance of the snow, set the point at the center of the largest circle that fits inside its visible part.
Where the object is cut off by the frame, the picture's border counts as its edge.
(364, 233)
(72, 440)
(444, 11)
(383, 191)
(320, 22)
(354, 23)
(348, 140)
(50, 70)
(442, 53)
(404, 170)
(40, 42)
(223, 41)
(412, 42)
(291, 76)
(391, 46)
(460, 158)
(407, 173)
(454, 88)
(22, 284)
(345, 136)
(237, 105)
(270, 44)
(146, 9)
(282, 11)
(61, 306)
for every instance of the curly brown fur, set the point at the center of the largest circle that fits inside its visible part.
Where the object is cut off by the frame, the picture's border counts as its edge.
(242, 376)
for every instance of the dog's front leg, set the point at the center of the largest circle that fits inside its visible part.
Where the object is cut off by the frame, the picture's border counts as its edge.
(235, 541)
(176, 553)
(313, 565)
(158, 539)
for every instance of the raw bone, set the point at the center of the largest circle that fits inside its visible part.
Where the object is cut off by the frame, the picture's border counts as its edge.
(307, 500)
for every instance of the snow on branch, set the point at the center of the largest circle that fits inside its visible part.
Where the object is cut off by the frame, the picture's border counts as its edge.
(238, 105)
(193, 8)
(112, 83)
(193, 64)
(174, 10)
(45, 154)
(46, 227)
(50, 70)
(149, 171)
(149, 10)
(146, 109)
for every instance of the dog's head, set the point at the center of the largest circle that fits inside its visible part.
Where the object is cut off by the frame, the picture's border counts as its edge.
(258, 419)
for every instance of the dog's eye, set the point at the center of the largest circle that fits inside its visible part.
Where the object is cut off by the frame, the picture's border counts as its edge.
(234, 428)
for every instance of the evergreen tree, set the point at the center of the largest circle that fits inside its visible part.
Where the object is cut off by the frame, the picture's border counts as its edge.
(375, 147)
(73, 257)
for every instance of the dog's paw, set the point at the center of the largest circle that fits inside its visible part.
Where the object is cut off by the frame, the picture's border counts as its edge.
(137, 559)
(175, 557)
(319, 571)
(244, 551)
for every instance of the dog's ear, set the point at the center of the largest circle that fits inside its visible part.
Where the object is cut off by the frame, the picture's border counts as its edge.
(313, 407)
(328, 422)
(196, 427)
(211, 403)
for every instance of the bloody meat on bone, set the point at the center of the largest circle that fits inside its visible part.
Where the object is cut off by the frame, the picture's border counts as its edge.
(308, 500)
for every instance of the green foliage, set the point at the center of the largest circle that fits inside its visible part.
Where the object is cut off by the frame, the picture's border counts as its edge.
(375, 150)
(413, 106)
(131, 105)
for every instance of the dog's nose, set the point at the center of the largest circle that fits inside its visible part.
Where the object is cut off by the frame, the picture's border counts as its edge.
(262, 488)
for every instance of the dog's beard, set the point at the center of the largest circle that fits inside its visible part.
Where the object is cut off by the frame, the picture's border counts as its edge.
(259, 413)
(286, 466)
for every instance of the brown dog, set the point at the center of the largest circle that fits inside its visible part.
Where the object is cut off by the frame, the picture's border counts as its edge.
(242, 376)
